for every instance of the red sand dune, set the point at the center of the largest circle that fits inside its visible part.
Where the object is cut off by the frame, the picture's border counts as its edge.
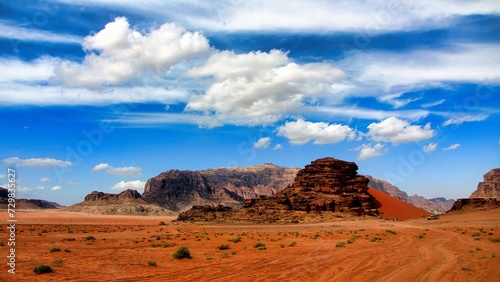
(391, 207)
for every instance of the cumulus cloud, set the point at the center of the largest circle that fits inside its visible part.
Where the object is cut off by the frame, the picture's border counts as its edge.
(124, 171)
(467, 118)
(278, 147)
(301, 132)
(134, 185)
(258, 87)
(431, 147)
(368, 151)
(117, 53)
(56, 188)
(398, 131)
(36, 162)
(45, 180)
(452, 147)
(262, 143)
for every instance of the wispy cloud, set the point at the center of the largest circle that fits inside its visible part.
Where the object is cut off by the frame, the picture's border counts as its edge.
(16, 33)
(431, 147)
(467, 118)
(262, 143)
(124, 171)
(36, 162)
(56, 188)
(452, 147)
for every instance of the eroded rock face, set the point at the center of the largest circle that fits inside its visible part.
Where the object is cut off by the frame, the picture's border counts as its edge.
(125, 196)
(326, 185)
(475, 203)
(179, 190)
(490, 187)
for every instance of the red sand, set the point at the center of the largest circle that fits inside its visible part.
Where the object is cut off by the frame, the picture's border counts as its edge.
(390, 207)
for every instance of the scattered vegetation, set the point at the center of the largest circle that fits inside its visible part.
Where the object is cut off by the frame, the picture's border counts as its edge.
(391, 232)
(465, 267)
(89, 238)
(258, 245)
(55, 249)
(223, 247)
(376, 239)
(67, 250)
(57, 262)
(292, 244)
(235, 240)
(224, 255)
(282, 246)
(495, 240)
(210, 258)
(151, 263)
(41, 269)
(433, 217)
(340, 245)
(182, 252)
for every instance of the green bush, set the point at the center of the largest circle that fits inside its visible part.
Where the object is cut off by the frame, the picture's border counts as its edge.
(223, 247)
(235, 240)
(259, 244)
(182, 252)
(89, 238)
(55, 249)
(41, 269)
(151, 263)
(292, 244)
(340, 245)
(495, 240)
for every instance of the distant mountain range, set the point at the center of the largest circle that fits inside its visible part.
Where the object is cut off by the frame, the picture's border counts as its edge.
(31, 204)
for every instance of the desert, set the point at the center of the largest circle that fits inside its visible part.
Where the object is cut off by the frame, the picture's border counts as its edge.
(88, 247)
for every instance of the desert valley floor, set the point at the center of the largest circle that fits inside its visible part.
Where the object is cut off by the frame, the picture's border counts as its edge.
(83, 247)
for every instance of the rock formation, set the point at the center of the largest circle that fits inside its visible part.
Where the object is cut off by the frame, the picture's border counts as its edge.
(126, 202)
(179, 190)
(490, 187)
(434, 205)
(26, 204)
(486, 196)
(325, 185)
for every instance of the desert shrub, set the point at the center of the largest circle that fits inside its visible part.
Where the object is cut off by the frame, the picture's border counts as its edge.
(210, 258)
(151, 263)
(258, 245)
(223, 247)
(162, 223)
(182, 252)
(465, 267)
(235, 240)
(292, 244)
(262, 248)
(233, 253)
(224, 255)
(57, 262)
(67, 250)
(282, 246)
(55, 249)
(376, 239)
(2, 244)
(41, 269)
(89, 238)
(391, 232)
(340, 245)
(495, 240)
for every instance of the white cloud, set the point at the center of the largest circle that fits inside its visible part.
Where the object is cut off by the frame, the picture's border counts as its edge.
(301, 132)
(308, 16)
(259, 88)
(431, 147)
(117, 54)
(452, 147)
(124, 171)
(262, 143)
(367, 151)
(2, 176)
(16, 33)
(467, 118)
(36, 162)
(278, 147)
(398, 131)
(45, 180)
(134, 185)
(56, 188)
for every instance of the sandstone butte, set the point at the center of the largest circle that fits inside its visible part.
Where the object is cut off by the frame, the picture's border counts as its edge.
(326, 188)
(486, 196)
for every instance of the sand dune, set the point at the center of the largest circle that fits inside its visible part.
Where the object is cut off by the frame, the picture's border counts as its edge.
(391, 207)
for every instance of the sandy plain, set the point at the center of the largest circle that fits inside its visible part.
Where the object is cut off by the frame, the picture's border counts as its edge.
(457, 247)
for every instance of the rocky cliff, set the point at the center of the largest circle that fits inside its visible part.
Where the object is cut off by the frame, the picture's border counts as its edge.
(434, 205)
(325, 185)
(126, 202)
(490, 187)
(486, 196)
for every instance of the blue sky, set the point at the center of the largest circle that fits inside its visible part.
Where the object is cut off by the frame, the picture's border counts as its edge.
(102, 95)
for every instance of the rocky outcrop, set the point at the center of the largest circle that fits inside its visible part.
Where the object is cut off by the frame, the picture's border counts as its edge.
(475, 204)
(486, 196)
(25, 204)
(126, 202)
(490, 187)
(179, 190)
(254, 181)
(325, 185)
(434, 205)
